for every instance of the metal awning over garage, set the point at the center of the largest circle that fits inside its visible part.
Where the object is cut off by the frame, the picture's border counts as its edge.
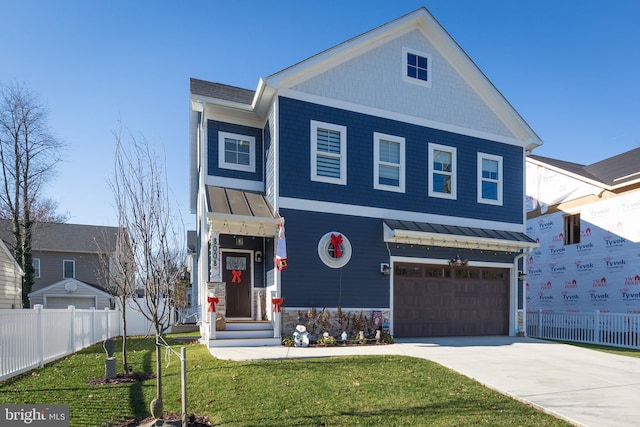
(453, 236)
(240, 212)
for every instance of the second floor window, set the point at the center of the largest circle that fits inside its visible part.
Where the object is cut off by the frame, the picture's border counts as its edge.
(328, 153)
(68, 269)
(572, 229)
(489, 179)
(36, 268)
(442, 171)
(236, 152)
(388, 168)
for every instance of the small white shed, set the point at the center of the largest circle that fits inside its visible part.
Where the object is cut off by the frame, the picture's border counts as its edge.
(71, 292)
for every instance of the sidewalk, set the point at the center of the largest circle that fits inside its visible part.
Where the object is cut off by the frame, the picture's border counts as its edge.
(584, 387)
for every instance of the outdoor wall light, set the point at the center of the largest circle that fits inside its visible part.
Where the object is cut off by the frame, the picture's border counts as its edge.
(239, 240)
(457, 262)
(522, 275)
(385, 269)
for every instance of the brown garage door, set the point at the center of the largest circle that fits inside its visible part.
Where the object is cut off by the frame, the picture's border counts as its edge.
(436, 301)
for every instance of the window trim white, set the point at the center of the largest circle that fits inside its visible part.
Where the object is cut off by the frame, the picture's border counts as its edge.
(315, 125)
(36, 271)
(400, 188)
(454, 171)
(73, 263)
(414, 80)
(499, 181)
(323, 250)
(223, 164)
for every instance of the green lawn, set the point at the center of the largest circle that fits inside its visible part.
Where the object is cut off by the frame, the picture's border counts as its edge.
(339, 391)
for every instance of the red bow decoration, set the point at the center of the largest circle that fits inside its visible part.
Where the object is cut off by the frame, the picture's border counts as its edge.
(277, 302)
(236, 276)
(212, 304)
(336, 241)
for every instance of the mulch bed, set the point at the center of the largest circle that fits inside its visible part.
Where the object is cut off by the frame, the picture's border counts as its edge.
(192, 420)
(122, 378)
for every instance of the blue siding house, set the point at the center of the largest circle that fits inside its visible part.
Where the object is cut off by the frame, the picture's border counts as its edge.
(397, 170)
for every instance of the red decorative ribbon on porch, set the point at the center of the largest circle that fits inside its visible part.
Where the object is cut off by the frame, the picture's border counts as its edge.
(212, 304)
(277, 303)
(236, 276)
(336, 241)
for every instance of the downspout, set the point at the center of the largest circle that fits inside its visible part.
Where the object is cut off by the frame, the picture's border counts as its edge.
(517, 258)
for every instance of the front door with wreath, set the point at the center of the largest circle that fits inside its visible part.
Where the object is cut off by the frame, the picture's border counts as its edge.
(236, 272)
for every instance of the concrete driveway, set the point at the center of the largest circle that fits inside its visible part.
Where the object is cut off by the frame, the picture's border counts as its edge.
(584, 387)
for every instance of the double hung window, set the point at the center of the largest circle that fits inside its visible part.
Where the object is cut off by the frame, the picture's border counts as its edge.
(489, 179)
(328, 153)
(389, 163)
(442, 171)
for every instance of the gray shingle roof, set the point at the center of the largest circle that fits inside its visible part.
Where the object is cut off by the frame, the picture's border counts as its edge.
(60, 237)
(614, 171)
(221, 91)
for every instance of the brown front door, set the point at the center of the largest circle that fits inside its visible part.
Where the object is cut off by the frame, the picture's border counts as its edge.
(236, 272)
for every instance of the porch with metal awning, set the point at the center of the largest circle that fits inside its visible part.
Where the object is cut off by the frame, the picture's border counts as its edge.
(453, 236)
(240, 212)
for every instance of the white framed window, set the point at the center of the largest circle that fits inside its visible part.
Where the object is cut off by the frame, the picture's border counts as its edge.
(36, 268)
(489, 179)
(236, 152)
(328, 153)
(416, 67)
(334, 249)
(68, 269)
(388, 162)
(442, 171)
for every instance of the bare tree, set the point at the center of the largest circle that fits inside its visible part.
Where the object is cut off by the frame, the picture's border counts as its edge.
(155, 235)
(29, 153)
(117, 269)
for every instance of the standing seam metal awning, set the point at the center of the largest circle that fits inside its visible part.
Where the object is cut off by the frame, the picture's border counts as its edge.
(232, 211)
(453, 236)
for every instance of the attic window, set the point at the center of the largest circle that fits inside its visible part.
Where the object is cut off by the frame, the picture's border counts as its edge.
(416, 67)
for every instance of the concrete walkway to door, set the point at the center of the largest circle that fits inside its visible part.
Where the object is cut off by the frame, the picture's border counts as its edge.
(584, 387)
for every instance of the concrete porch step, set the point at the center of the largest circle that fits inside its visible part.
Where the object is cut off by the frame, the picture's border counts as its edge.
(245, 333)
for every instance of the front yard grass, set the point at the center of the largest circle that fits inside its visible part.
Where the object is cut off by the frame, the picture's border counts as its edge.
(337, 391)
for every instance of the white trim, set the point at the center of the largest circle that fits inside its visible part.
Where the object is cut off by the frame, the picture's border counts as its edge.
(454, 171)
(223, 164)
(315, 125)
(383, 213)
(415, 80)
(239, 184)
(481, 179)
(400, 117)
(377, 137)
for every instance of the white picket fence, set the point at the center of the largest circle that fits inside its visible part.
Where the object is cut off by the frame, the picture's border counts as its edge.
(31, 338)
(610, 329)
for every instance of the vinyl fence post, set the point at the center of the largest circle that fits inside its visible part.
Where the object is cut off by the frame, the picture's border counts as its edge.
(93, 325)
(540, 324)
(39, 335)
(72, 327)
(596, 327)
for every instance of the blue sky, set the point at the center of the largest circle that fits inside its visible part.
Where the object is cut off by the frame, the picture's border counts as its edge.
(570, 68)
